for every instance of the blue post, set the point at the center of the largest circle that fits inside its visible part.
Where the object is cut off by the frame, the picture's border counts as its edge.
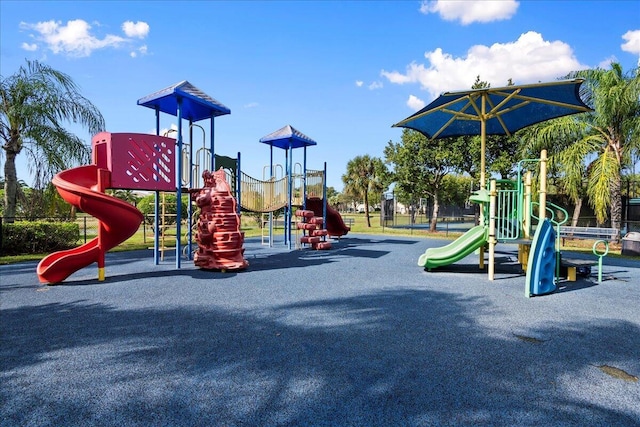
(213, 153)
(304, 179)
(324, 195)
(287, 227)
(156, 208)
(190, 206)
(271, 213)
(237, 184)
(179, 186)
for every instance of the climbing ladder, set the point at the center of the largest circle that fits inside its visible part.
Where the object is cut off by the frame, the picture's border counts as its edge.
(312, 232)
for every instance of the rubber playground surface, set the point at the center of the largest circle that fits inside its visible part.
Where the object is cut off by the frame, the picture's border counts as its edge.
(359, 335)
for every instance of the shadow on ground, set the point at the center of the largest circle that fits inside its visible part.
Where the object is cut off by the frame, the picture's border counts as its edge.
(395, 357)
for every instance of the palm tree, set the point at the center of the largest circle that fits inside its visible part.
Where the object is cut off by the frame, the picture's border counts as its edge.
(568, 159)
(365, 175)
(599, 145)
(35, 103)
(125, 195)
(616, 129)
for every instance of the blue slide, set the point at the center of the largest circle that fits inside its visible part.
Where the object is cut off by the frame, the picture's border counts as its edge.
(542, 261)
(454, 251)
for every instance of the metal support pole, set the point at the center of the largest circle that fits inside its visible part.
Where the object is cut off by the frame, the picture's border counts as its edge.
(542, 214)
(304, 179)
(492, 228)
(238, 186)
(190, 205)
(179, 186)
(213, 153)
(156, 209)
(324, 195)
(287, 227)
(271, 213)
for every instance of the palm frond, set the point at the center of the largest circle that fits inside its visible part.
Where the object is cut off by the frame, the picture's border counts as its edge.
(602, 174)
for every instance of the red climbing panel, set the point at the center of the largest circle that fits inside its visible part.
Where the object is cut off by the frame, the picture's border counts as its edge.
(137, 161)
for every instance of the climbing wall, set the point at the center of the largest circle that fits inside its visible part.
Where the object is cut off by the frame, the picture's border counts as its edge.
(220, 241)
(312, 229)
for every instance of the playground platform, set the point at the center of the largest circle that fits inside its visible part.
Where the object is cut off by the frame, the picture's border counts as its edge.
(355, 336)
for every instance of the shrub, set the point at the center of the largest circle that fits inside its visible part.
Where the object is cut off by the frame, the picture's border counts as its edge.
(24, 237)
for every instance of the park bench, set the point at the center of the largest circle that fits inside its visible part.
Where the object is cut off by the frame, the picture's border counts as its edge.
(596, 233)
(571, 268)
(582, 266)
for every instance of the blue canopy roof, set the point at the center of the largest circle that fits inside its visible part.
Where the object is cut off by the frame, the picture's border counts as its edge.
(287, 137)
(196, 105)
(506, 109)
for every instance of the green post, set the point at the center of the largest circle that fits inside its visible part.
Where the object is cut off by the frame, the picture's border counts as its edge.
(600, 255)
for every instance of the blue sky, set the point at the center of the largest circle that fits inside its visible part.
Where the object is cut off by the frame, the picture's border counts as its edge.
(340, 72)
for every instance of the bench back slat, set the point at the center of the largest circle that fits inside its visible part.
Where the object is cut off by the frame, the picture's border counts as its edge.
(594, 232)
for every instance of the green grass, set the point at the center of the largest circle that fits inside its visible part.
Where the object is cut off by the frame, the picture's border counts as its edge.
(251, 229)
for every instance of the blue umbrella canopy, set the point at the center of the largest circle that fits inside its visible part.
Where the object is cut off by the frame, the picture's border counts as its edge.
(496, 111)
(196, 105)
(287, 137)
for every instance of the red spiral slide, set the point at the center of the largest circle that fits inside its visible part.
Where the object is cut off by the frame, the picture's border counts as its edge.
(84, 187)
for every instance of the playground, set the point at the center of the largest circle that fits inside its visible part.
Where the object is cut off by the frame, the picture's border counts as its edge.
(358, 335)
(314, 326)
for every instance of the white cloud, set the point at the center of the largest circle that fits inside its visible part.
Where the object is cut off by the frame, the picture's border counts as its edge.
(606, 63)
(29, 46)
(142, 50)
(415, 103)
(73, 39)
(251, 105)
(359, 83)
(76, 38)
(527, 60)
(375, 85)
(138, 30)
(469, 11)
(632, 44)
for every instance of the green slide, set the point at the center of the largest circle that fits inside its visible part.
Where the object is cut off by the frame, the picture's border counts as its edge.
(454, 251)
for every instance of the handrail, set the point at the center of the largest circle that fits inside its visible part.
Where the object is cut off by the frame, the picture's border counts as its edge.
(549, 209)
(557, 225)
(600, 255)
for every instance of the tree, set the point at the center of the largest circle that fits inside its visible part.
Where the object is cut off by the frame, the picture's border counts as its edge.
(420, 165)
(36, 203)
(35, 102)
(128, 196)
(365, 175)
(168, 208)
(566, 160)
(606, 140)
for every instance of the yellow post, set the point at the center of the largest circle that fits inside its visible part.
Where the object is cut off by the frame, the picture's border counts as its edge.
(492, 228)
(542, 214)
(483, 143)
(101, 274)
(523, 249)
(526, 215)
